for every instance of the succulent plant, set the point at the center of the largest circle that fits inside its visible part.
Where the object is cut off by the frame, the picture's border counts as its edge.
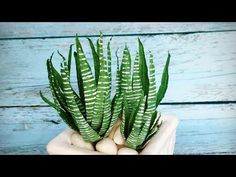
(140, 119)
(92, 112)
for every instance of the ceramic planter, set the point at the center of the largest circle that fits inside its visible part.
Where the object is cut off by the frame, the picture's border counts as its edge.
(162, 143)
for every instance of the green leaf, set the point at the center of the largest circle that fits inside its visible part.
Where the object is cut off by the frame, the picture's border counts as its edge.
(50, 103)
(144, 129)
(164, 82)
(126, 82)
(57, 76)
(143, 68)
(89, 86)
(79, 78)
(155, 120)
(149, 127)
(95, 60)
(151, 99)
(102, 90)
(78, 70)
(148, 138)
(118, 76)
(80, 104)
(125, 119)
(86, 131)
(132, 140)
(136, 81)
(69, 57)
(109, 63)
(139, 116)
(133, 115)
(100, 47)
(106, 115)
(63, 114)
(98, 112)
(60, 95)
(116, 107)
(51, 80)
(97, 43)
(125, 71)
(55, 86)
(152, 131)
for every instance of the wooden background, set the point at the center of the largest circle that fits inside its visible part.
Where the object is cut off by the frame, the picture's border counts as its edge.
(201, 91)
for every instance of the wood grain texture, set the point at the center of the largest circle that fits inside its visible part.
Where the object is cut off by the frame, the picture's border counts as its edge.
(208, 129)
(36, 149)
(24, 30)
(27, 127)
(204, 129)
(202, 69)
(202, 66)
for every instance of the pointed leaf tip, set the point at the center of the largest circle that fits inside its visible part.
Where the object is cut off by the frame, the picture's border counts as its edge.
(168, 59)
(51, 55)
(72, 45)
(61, 55)
(139, 40)
(126, 47)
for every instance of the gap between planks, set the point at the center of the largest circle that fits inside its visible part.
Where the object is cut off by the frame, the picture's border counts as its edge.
(165, 103)
(122, 34)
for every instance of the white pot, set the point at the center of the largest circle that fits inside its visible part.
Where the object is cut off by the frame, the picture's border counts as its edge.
(162, 143)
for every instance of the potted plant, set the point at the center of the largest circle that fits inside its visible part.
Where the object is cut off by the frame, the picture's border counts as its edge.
(126, 124)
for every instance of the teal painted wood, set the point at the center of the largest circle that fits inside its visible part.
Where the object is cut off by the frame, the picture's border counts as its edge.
(204, 129)
(208, 129)
(202, 69)
(22, 30)
(202, 66)
(36, 149)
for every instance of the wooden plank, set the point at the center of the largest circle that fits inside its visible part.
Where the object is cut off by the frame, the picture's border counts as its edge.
(208, 129)
(221, 138)
(202, 66)
(22, 30)
(205, 129)
(28, 126)
(36, 149)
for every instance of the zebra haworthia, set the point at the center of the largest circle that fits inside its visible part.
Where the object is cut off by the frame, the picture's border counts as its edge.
(92, 112)
(140, 119)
